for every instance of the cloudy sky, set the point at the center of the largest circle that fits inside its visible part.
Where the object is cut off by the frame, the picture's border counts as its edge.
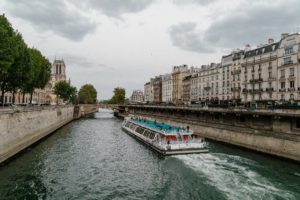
(111, 43)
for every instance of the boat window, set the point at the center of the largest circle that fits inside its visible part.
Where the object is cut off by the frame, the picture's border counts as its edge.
(140, 130)
(134, 127)
(146, 133)
(127, 124)
(152, 135)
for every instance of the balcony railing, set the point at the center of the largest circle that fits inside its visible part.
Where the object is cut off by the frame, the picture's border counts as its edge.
(269, 89)
(291, 89)
(287, 62)
(271, 79)
(256, 80)
(282, 90)
(236, 89)
(256, 91)
(237, 71)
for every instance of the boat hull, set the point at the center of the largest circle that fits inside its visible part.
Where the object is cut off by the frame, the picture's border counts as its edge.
(164, 151)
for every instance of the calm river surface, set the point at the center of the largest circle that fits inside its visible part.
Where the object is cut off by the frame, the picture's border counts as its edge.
(93, 159)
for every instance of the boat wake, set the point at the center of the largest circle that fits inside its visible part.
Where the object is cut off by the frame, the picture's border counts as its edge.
(234, 175)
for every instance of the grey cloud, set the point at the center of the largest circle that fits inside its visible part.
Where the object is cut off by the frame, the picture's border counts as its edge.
(250, 23)
(53, 16)
(201, 2)
(116, 8)
(255, 23)
(187, 37)
(81, 63)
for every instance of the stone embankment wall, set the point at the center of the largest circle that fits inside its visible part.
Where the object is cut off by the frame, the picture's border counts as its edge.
(265, 143)
(84, 110)
(21, 128)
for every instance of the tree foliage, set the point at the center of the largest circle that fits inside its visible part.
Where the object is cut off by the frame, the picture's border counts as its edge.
(39, 72)
(65, 91)
(20, 68)
(87, 94)
(119, 96)
(7, 53)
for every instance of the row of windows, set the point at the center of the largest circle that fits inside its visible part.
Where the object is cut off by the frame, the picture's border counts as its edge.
(259, 97)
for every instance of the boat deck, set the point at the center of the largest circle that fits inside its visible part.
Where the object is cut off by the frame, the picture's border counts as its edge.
(160, 126)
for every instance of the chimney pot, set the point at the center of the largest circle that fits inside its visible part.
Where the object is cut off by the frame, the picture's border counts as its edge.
(270, 41)
(284, 35)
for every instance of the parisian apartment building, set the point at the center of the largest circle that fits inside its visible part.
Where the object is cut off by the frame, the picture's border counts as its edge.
(137, 96)
(267, 73)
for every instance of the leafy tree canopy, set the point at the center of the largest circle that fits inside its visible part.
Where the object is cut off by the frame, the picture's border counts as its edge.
(87, 94)
(119, 96)
(65, 91)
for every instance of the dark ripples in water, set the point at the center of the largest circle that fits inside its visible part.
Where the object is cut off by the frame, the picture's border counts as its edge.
(93, 159)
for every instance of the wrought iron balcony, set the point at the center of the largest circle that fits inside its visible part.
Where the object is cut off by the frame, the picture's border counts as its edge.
(282, 90)
(207, 88)
(287, 62)
(237, 71)
(291, 89)
(256, 80)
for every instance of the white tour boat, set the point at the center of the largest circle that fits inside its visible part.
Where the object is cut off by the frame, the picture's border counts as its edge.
(164, 138)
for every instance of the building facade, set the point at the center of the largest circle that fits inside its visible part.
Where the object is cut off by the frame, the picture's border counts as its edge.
(259, 74)
(178, 73)
(186, 89)
(167, 88)
(225, 93)
(157, 89)
(147, 91)
(194, 92)
(58, 73)
(137, 96)
(209, 82)
(267, 74)
(288, 70)
(235, 71)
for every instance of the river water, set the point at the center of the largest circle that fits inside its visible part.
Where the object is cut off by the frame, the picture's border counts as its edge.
(93, 159)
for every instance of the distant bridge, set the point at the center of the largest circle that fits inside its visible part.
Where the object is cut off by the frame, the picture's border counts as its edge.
(109, 106)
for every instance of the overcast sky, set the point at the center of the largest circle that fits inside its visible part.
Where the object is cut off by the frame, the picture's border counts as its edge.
(111, 43)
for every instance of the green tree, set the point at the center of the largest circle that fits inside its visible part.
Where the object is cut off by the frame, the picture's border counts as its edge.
(87, 94)
(119, 96)
(18, 72)
(40, 71)
(65, 91)
(7, 53)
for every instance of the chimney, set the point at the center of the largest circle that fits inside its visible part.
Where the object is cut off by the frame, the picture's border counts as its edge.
(270, 41)
(284, 35)
(247, 47)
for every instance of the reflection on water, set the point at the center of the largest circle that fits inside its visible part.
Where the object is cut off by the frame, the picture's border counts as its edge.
(93, 159)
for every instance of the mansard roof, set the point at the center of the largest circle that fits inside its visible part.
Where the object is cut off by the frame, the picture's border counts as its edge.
(262, 50)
